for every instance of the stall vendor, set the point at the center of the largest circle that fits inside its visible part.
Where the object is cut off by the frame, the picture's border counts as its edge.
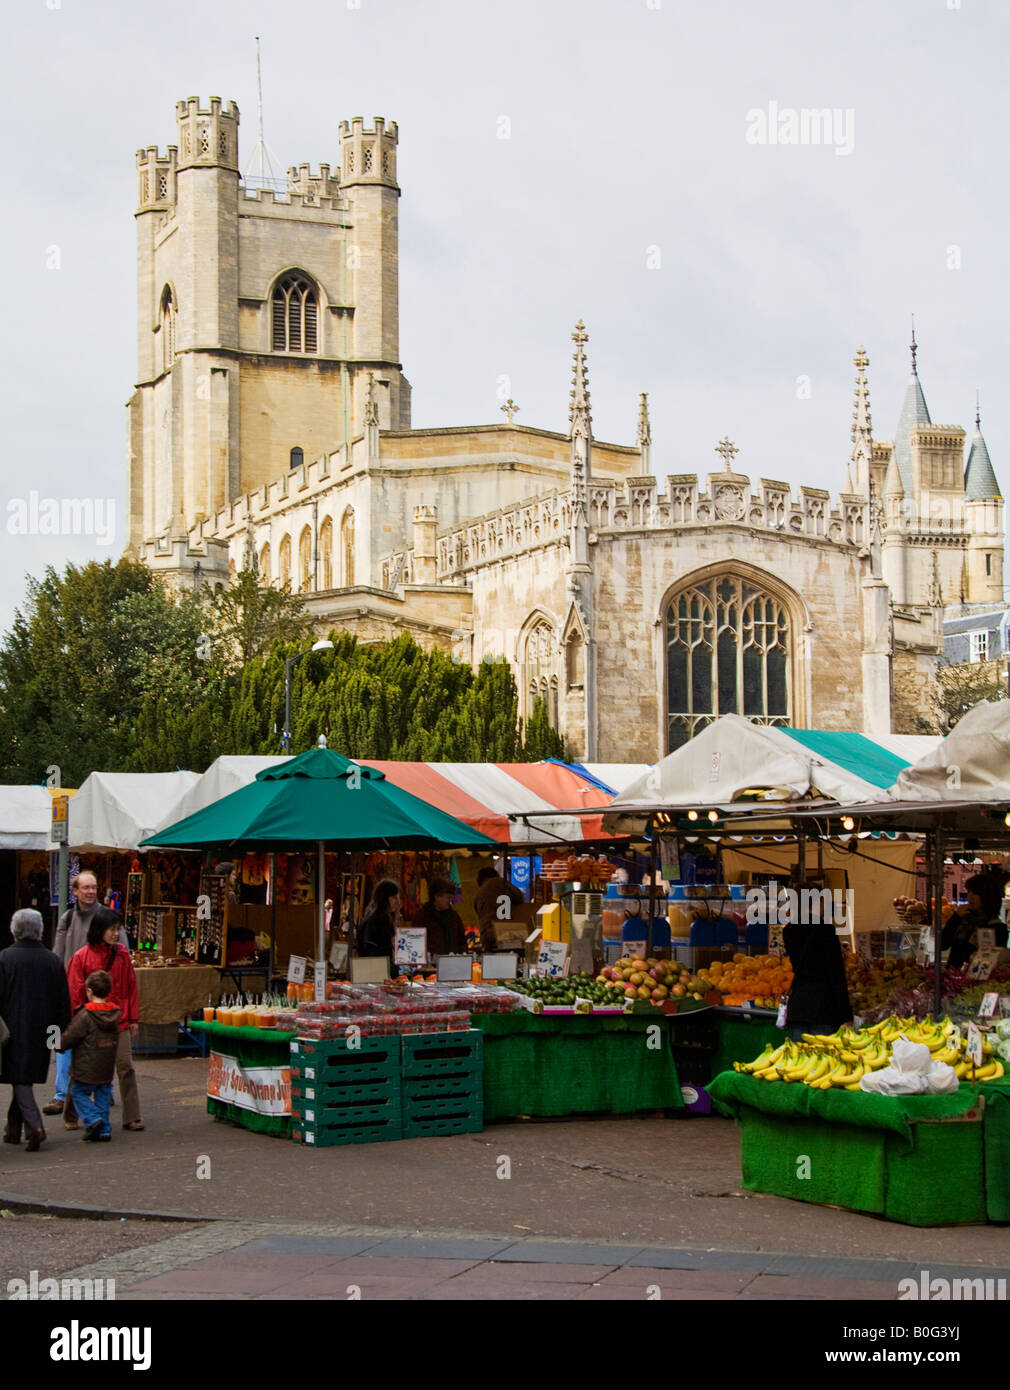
(960, 934)
(819, 997)
(444, 925)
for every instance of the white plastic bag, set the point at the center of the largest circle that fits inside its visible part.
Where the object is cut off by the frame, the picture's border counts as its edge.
(911, 1058)
(912, 1073)
(942, 1079)
(891, 1082)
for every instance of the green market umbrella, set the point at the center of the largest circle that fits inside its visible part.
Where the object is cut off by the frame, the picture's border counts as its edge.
(319, 797)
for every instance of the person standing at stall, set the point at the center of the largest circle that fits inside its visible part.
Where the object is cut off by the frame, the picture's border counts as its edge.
(378, 926)
(103, 952)
(819, 997)
(444, 925)
(494, 902)
(960, 934)
(33, 1000)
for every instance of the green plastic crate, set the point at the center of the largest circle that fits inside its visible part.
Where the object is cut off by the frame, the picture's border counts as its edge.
(327, 1060)
(329, 1136)
(312, 1116)
(441, 1054)
(442, 1125)
(420, 1087)
(352, 1092)
(464, 1106)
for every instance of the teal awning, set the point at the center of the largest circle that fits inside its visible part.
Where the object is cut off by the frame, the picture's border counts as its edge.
(854, 752)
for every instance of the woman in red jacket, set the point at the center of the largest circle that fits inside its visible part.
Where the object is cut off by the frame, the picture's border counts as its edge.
(103, 952)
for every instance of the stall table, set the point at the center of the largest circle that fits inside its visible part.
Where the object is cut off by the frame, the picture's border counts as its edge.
(922, 1160)
(566, 1064)
(171, 993)
(249, 1079)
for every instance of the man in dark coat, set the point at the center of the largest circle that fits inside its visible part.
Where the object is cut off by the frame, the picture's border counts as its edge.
(35, 1005)
(819, 997)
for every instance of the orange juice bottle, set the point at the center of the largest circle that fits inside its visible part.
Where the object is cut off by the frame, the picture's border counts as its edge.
(476, 973)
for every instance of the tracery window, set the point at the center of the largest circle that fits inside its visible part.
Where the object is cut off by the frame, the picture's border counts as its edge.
(284, 561)
(728, 651)
(167, 329)
(295, 314)
(538, 672)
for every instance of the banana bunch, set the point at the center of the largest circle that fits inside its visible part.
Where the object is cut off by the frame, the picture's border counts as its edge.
(842, 1059)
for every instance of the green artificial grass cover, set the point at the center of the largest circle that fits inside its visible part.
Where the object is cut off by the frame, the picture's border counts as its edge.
(741, 1040)
(537, 1065)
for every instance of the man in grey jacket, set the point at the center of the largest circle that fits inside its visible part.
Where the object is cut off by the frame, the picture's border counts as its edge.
(71, 935)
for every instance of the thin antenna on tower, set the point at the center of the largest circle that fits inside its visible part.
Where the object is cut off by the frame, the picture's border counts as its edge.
(261, 171)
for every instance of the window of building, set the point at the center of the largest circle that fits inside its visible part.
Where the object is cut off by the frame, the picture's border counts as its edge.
(538, 677)
(347, 548)
(988, 563)
(979, 646)
(295, 314)
(297, 457)
(326, 552)
(167, 328)
(305, 560)
(284, 561)
(728, 651)
(265, 575)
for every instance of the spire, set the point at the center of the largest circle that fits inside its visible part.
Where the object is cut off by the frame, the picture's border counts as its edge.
(579, 417)
(862, 429)
(581, 427)
(979, 475)
(914, 411)
(644, 436)
(893, 486)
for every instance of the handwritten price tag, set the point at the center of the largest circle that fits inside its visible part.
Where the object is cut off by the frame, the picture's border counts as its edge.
(553, 958)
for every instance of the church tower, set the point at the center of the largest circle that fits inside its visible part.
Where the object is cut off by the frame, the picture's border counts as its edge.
(260, 313)
(984, 510)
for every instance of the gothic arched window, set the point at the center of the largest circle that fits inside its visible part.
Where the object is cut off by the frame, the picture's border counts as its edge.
(538, 677)
(326, 552)
(167, 328)
(347, 548)
(295, 314)
(284, 562)
(728, 651)
(265, 563)
(305, 560)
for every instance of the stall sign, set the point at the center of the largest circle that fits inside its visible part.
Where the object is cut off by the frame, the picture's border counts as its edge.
(924, 949)
(632, 949)
(410, 946)
(974, 1048)
(986, 937)
(776, 941)
(319, 982)
(296, 970)
(58, 825)
(983, 963)
(454, 969)
(266, 1090)
(1004, 1005)
(988, 1006)
(553, 959)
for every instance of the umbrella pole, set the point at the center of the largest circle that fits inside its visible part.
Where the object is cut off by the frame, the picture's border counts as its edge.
(652, 890)
(937, 877)
(272, 954)
(321, 907)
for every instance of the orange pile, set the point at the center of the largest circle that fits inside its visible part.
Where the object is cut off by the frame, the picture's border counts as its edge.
(761, 980)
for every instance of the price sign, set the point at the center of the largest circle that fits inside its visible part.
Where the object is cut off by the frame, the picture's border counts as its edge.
(632, 949)
(988, 1006)
(1004, 1005)
(776, 942)
(983, 963)
(553, 959)
(974, 1049)
(986, 937)
(410, 946)
(319, 982)
(924, 950)
(296, 970)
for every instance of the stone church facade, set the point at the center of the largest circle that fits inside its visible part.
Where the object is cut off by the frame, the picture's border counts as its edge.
(270, 428)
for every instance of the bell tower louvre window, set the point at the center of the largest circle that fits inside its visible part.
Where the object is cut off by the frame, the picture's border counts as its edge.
(295, 315)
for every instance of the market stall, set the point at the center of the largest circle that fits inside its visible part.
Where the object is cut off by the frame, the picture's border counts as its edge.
(249, 1076)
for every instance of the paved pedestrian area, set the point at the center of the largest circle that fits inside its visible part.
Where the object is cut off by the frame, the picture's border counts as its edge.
(258, 1260)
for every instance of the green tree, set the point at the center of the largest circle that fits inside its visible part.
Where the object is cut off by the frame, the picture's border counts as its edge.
(540, 740)
(247, 618)
(958, 688)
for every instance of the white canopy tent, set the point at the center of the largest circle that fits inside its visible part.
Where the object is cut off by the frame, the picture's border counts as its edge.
(224, 776)
(733, 756)
(971, 764)
(25, 818)
(116, 810)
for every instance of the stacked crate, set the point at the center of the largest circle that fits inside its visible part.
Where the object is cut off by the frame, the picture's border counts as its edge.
(443, 1083)
(345, 1095)
(387, 1087)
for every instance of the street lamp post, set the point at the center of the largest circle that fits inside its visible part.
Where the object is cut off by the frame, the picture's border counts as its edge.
(289, 665)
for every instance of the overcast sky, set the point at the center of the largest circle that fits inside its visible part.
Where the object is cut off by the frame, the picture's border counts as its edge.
(712, 271)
